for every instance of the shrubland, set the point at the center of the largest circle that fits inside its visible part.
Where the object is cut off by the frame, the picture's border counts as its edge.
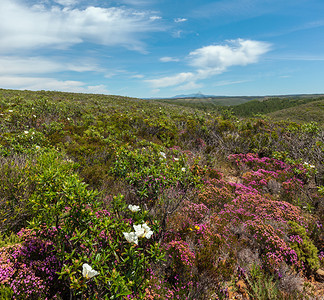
(107, 197)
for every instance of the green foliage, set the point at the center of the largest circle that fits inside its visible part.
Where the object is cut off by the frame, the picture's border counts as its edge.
(16, 186)
(97, 238)
(271, 105)
(9, 240)
(151, 170)
(304, 247)
(262, 286)
(6, 293)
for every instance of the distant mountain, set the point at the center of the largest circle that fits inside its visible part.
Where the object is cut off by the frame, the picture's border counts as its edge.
(196, 95)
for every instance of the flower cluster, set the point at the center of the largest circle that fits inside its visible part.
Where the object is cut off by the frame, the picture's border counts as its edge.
(141, 231)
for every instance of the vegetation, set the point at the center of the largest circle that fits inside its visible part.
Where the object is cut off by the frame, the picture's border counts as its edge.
(312, 111)
(299, 108)
(272, 104)
(107, 197)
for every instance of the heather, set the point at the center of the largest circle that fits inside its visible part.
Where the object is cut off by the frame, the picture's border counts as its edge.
(105, 197)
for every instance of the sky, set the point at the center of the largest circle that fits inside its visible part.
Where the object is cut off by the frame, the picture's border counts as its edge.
(151, 48)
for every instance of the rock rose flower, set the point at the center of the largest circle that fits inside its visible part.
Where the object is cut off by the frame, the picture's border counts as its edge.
(134, 208)
(143, 230)
(131, 237)
(88, 272)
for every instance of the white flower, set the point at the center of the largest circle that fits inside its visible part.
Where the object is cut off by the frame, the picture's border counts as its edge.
(37, 147)
(88, 272)
(183, 169)
(163, 154)
(26, 132)
(176, 159)
(306, 164)
(10, 110)
(143, 230)
(131, 237)
(148, 231)
(134, 208)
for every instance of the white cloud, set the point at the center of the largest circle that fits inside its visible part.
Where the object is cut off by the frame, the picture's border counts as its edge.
(42, 83)
(66, 2)
(153, 18)
(24, 27)
(180, 20)
(137, 2)
(137, 76)
(227, 82)
(215, 59)
(10, 65)
(168, 59)
(171, 80)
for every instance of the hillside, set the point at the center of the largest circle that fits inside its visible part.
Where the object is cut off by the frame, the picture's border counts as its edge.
(250, 106)
(109, 197)
(207, 103)
(313, 111)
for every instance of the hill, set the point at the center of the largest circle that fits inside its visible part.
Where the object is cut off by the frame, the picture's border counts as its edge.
(313, 111)
(207, 103)
(109, 197)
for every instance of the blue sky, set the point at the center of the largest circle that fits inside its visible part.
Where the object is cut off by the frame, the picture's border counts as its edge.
(151, 48)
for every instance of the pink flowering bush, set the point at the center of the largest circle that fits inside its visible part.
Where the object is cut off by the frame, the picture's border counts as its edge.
(30, 268)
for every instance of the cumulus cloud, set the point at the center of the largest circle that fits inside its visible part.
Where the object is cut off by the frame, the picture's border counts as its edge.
(218, 58)
(168, 59)
(24, 27)
(215, 59)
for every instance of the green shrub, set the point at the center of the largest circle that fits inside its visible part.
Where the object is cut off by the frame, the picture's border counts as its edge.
(304, 247)
(6, 293)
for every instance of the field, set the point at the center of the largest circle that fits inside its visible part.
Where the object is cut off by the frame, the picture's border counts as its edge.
(109, 197)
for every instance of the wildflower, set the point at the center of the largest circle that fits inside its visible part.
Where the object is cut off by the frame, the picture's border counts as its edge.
(134, 208)
(176, 159)
(131, 237)
(143, 230)
(26, 132)
(163, 154)
(183, 169)
(37, 147)
(197, 227)
(88, 272)
(10, 110)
